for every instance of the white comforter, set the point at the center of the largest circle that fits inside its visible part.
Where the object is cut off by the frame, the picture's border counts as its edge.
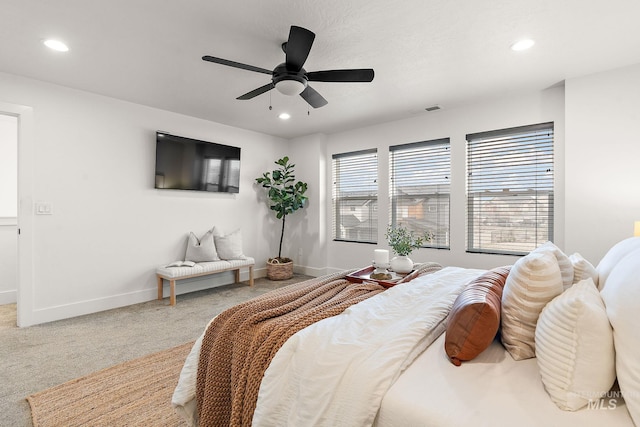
(336, 371)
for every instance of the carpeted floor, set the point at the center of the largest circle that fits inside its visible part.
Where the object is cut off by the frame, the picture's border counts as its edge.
(39, 357)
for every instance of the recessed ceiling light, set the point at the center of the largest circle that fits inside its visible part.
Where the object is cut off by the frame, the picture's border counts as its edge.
(284, 116)
(523, 44)
(56, 45)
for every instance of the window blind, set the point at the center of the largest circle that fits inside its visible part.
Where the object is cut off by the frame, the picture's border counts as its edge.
(355, 196)
(420, 188)
(510, 189)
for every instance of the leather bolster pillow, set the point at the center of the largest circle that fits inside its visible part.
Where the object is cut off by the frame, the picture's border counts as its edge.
(474, 319)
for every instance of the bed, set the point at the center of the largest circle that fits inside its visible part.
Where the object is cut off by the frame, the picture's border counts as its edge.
(382, 357)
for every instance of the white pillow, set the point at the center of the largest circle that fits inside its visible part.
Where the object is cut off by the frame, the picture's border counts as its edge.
(566, 268)
(534, 280)
(583, 269)
(229, 246)
(574, 347)
(613, 256)
(201, 250)
(621, 296)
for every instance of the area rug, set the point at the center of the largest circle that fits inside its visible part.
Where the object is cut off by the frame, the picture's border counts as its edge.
(134, 393)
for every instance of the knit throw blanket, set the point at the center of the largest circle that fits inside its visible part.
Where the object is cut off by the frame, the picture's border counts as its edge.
(240, 343)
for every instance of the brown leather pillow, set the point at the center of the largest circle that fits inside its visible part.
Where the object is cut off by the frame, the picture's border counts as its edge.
(475, 317)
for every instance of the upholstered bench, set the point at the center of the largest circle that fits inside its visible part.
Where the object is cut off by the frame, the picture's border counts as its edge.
(201, 269)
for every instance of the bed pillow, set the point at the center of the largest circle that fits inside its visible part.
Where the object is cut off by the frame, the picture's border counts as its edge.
(201, 250)
(229, 246)
(574, 347)
(475, 317)
(566, 268)
(583, 269)
(613, 256)
(534, 280)
(621, 296)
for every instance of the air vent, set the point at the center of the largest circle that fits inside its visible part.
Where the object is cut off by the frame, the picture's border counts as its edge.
(433, 108)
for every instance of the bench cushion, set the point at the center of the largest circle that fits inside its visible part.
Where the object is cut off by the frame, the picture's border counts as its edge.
(203, 268)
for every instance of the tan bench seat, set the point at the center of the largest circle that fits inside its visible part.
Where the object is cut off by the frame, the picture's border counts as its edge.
(201, 269)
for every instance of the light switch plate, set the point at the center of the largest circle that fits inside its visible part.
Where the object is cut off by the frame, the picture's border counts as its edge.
(44, 208)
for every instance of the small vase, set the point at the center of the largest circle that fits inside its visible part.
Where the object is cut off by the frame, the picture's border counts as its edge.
(401, 264)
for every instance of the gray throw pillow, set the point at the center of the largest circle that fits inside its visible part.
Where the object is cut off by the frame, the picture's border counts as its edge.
(203, 249)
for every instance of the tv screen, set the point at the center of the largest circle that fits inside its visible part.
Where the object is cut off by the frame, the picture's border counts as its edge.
(189, 164)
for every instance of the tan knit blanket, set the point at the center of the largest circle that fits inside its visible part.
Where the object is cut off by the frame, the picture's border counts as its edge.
(240, 343)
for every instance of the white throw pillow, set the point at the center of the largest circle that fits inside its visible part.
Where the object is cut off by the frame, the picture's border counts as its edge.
(534, 280)
(583, 269)
(229, 246)
(201, 250)
(566, 268)
(574, 347)
(613, 256)
(621, 296)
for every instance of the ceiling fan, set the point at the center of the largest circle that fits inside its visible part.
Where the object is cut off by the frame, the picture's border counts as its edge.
(290, 78)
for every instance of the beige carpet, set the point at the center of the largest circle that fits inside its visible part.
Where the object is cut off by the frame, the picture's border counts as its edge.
(137, 393)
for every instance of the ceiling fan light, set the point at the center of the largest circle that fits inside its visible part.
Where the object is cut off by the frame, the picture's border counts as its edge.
(290, 87)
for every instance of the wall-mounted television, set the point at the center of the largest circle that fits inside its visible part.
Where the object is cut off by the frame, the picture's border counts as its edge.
(190, 164)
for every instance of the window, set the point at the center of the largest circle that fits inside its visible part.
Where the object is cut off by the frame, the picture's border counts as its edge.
(355, 196)
(420, 188)
(510, 189)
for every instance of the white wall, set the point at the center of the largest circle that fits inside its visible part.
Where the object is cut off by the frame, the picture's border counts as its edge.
(92, 158)
(518, 110)
(93, 161)
(603, 152)
(306, 235)
(8, 263)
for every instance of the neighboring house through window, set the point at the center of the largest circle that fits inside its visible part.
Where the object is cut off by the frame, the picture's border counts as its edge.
(355, 196)
(420, 188)
(510, 189)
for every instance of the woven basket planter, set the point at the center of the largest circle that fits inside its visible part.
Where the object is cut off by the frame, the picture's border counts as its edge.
(279, 270)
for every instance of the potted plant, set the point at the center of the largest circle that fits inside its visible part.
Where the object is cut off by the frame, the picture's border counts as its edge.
(286, 195)
(403, 242)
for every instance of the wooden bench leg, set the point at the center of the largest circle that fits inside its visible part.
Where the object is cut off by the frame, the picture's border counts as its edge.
(160, 288)
(237, 275)
(172, 286)
(250, 275)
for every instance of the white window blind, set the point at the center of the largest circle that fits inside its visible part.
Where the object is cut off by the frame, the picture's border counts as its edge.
(510, 184)
(420, 188)
(355, 196)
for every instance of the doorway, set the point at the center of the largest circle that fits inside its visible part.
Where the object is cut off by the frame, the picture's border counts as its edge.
(8, 219)
(23, 230)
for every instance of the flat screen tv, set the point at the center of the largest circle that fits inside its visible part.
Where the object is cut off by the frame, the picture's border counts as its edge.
(189, 164)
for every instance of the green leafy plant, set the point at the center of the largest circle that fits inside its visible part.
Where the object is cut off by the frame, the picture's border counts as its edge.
(403, 241)
(286, 195)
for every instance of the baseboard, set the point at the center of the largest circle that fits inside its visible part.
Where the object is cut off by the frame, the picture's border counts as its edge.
(8, 297)
(309, 271)
(80, 308)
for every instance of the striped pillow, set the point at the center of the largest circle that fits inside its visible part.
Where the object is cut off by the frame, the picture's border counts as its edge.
(583, 269)
(566, 268)
(534, 280)
(574, 347)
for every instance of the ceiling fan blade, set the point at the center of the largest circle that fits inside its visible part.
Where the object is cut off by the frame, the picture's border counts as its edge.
(298, 47)
(313, 98)
(235, 64)
(256, 92)
(348, 76)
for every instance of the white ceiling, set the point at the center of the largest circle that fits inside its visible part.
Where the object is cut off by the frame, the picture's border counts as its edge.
(424, 52)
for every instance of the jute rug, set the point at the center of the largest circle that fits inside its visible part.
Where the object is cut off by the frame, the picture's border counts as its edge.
(134, 393)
